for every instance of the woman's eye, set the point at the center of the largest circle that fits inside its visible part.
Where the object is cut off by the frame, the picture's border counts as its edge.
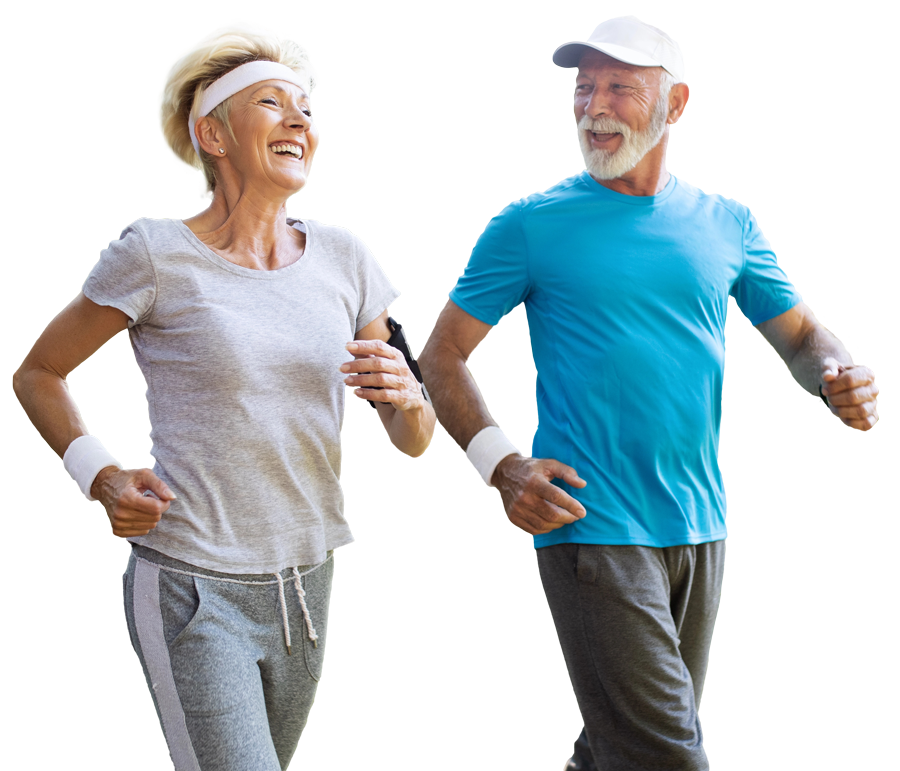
(269, 100)
(307, 112)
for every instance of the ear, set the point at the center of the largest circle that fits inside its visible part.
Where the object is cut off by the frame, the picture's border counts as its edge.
(678, 98)
(209, 134)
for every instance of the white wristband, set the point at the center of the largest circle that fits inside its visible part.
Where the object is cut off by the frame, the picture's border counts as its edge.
(84, 459)
(487, 448)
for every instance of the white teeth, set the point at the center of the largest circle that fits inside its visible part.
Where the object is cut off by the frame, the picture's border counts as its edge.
(297, 152)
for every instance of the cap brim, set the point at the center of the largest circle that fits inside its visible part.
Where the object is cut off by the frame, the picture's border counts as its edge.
(569, 54)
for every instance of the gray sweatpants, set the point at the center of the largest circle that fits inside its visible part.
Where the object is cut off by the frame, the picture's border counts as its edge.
(635, 624)
(231, 694)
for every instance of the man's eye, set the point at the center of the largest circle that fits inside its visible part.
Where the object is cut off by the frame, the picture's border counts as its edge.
(307, 112)
(269, 100)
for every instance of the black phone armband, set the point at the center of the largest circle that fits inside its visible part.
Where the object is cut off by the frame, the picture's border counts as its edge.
(398, 340)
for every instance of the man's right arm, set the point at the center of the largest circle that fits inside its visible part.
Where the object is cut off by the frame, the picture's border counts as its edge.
(531, 501)
(457, 400)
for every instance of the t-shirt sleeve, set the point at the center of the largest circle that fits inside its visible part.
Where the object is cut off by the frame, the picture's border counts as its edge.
(376, 292)
(763, 290)
(124, 277)
(496, 279)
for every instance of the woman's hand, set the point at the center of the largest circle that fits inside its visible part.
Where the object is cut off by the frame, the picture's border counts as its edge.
(380, 373)
(377, 366)
(134, 499)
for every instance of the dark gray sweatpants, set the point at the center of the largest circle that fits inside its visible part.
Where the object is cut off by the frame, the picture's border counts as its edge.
(635, 625)
(229, 694)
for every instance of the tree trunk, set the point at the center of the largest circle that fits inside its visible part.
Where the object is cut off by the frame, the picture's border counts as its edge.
(827, 285)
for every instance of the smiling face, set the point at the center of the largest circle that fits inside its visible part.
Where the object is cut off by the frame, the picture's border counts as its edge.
(622, 112)
(274, 140)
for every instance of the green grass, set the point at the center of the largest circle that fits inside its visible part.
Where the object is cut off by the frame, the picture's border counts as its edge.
(441, 655)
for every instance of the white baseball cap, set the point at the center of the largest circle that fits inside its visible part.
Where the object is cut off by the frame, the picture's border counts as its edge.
(629, 40)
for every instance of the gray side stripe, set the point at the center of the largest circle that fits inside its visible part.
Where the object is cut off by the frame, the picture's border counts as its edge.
(148, 620)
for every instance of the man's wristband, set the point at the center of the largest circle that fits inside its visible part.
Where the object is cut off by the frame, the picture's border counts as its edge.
(487, 448)
(85, 457)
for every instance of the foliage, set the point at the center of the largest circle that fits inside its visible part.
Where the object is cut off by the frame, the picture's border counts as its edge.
(441, 655)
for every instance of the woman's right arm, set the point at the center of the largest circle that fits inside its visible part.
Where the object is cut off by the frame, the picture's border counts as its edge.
(40, 384)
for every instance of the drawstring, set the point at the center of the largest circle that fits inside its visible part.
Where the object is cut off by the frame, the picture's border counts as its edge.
(301, 595)
(298, 585)
(284, 615)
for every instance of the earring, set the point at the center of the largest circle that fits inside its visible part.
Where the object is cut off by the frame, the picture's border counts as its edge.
(222, 150)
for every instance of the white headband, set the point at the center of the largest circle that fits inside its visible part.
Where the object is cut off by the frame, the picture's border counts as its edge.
(237, 80)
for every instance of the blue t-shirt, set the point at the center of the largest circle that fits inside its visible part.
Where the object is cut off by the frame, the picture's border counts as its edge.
(626, 299)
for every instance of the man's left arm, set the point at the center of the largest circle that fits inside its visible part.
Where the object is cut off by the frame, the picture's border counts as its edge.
(820, 363)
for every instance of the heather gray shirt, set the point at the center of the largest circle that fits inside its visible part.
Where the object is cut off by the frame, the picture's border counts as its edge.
(245, 396)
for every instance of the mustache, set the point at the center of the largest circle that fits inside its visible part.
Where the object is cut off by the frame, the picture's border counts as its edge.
(604, 126)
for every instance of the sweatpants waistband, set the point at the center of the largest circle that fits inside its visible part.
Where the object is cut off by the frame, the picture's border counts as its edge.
(164, 561)
(294, 574)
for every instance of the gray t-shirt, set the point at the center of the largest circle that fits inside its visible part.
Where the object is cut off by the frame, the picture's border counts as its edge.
(245, 395)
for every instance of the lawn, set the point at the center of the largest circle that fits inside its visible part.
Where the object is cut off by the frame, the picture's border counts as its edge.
(441, 655)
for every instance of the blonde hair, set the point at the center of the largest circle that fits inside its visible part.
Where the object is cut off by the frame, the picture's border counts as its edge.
(207, 63)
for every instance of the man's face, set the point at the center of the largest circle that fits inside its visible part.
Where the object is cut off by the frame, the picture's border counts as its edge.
(621, 111)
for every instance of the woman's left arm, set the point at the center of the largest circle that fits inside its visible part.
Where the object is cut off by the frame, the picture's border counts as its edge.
(406, 414)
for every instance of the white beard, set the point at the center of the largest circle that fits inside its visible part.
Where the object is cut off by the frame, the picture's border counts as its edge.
(603, 164)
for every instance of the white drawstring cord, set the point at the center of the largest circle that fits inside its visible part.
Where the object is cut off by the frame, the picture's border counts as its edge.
(284, 615)
(298, 584)
(301, 595)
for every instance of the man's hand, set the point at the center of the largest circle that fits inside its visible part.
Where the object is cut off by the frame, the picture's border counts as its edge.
(134, 499)
(851, 393)
(531, 502)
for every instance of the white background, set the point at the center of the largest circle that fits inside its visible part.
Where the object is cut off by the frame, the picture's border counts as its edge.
(812, 651)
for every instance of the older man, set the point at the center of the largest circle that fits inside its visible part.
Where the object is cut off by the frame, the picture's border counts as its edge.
(625, 272)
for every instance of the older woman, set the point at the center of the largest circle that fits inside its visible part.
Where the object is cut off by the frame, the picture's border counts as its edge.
(239, 318)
